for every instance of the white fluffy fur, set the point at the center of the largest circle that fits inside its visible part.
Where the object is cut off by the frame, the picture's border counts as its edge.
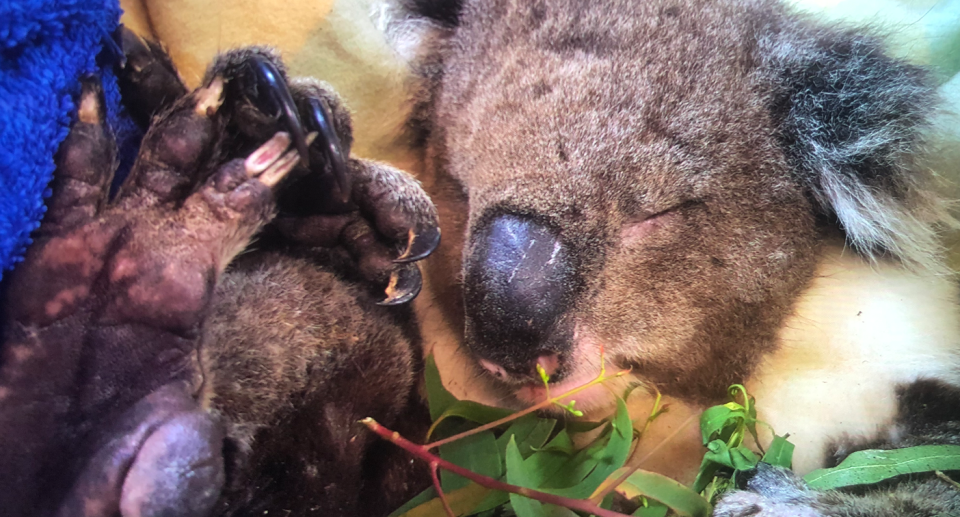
(857, 332)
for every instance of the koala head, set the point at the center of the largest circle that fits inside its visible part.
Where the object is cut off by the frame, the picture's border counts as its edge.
(654, 180)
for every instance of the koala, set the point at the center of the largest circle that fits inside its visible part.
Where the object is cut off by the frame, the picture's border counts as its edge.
(205, 341)
(702, 193)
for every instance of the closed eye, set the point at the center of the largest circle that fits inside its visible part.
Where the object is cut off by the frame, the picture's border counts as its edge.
(639, 228)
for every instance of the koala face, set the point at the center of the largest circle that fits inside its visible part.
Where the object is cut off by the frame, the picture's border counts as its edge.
(653, 181)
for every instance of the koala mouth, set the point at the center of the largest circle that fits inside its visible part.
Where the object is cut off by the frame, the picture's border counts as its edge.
(567, 371)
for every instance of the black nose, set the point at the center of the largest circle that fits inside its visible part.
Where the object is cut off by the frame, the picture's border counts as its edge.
(518, 283)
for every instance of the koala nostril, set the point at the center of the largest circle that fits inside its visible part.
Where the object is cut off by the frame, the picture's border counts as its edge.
(518, 282)
(550, 362)
(494, 368)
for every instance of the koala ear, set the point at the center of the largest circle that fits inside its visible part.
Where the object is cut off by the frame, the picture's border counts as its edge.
(852, 121)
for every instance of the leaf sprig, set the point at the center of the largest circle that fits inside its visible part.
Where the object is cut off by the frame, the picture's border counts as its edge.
(516, 463)
(528, 465)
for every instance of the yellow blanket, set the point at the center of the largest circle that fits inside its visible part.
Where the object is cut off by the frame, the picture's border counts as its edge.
(335, 41)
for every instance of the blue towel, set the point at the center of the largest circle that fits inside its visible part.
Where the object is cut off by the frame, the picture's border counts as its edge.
(45, 47)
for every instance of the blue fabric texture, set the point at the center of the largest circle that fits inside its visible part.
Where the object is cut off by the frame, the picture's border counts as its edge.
(45, 47)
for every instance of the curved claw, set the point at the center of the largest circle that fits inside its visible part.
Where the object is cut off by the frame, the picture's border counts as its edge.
(270, 94)
(405, 284)
(321, 120)
(420, 244)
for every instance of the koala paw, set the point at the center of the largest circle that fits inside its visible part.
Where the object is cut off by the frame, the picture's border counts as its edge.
(102, 320)
(770, 492)
(379, 215)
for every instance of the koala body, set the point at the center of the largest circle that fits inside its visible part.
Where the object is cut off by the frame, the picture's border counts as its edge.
(704, 193)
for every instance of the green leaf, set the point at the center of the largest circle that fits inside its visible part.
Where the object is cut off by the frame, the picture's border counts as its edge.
(740, 458)
(743, 458)
(517, 475)
(438, 398)
(478, 453)
(519, 429)
(607, 459)
(556, 457)
(560, 443)
(872, 466)
(708, 469)
(531, 432)
(419, 499)
(494, 499)
(715, 419)
(473, 411)
(652, 509)
(462, 502)
(678, 497)
(581, 426)
(718, 452)
(780, 453)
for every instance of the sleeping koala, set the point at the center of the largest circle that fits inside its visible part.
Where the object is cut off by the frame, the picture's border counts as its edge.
(155, 363)
(704, 193)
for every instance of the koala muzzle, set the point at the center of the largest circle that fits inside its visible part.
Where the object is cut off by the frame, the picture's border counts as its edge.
(518, 284)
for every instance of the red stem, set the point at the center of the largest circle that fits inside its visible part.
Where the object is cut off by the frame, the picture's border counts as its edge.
(439, 489)
(422, 453)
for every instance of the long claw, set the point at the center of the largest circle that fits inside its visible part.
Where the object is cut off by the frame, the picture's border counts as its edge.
(405, 284)
(321, 120)
(271, 95)
(420, 244)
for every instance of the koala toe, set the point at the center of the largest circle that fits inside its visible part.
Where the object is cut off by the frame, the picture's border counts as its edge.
(176, 150)
(84, 165)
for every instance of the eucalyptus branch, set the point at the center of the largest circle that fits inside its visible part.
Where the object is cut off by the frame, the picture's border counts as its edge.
(422, 452)
(536, 407)
(436, 486)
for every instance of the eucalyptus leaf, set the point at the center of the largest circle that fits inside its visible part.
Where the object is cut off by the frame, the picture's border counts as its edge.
(419, 499)
(872, 466)
(517, 475)
(715, 419)
(438, 398)
(743, 458)
(780, 453)
(708, 469)
(472, 411)
(582, 426)
(718, 452)
(478, 453)
(462, 502)
(560, 443)
(494, 499)
(652, 509)
(530, 431)
(570, 470)
(607, 459)
(678, 497)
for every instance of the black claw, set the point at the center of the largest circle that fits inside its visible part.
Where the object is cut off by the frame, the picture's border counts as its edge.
(405, 284)
(147, 78)
(266, 88)
(321, 120)
(420, 244)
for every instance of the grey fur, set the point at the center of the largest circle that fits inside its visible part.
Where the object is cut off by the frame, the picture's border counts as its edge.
(692, 157)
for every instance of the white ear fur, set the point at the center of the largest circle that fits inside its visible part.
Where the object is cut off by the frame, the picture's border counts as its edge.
(853, 124)
(874, 221)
